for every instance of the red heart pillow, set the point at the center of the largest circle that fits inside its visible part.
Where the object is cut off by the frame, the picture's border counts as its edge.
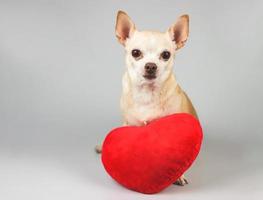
(148, 159)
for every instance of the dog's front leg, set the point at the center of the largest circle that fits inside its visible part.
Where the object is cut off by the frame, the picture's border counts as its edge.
(98, 148)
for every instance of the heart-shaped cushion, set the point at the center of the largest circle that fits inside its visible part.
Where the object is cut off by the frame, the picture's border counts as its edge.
(148, 159)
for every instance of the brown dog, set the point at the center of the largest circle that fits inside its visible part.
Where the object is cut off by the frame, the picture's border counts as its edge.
(150, 89)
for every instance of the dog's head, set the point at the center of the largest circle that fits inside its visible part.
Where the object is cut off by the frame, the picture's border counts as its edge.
(150, 55)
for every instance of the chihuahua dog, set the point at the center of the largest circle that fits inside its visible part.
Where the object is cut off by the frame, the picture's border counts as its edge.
(150, 89)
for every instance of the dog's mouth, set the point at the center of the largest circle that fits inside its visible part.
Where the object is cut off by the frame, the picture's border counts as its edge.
(149, 76)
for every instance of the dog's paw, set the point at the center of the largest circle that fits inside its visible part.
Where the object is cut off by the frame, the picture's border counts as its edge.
(181, 181)
(98, 148)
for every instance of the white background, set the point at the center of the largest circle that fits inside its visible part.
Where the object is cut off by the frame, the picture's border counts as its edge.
(60, 82)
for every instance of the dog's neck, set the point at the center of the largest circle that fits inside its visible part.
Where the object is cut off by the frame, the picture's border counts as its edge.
(149, 92)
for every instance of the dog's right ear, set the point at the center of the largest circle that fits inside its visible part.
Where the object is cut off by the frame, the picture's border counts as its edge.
(124, 27)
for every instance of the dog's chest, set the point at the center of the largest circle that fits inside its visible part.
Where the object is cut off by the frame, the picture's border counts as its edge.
(146, 107)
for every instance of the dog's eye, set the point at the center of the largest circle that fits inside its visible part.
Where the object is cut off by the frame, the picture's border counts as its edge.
(165, 55)
(136, 53)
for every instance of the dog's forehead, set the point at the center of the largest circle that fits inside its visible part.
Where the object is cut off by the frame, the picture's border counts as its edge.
(150, 41)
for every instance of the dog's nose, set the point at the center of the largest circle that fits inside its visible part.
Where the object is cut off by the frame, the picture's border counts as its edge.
(150, 68)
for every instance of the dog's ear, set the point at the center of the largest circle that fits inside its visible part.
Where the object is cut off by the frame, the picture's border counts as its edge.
(124, 27)
(179, 31)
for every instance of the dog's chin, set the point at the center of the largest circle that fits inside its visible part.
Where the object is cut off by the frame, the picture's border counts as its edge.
(149, 77)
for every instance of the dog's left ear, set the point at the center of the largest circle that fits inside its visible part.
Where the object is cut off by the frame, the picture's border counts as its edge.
(179, 31)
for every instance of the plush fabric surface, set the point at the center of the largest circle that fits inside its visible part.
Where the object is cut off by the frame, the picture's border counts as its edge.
(148, 159)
